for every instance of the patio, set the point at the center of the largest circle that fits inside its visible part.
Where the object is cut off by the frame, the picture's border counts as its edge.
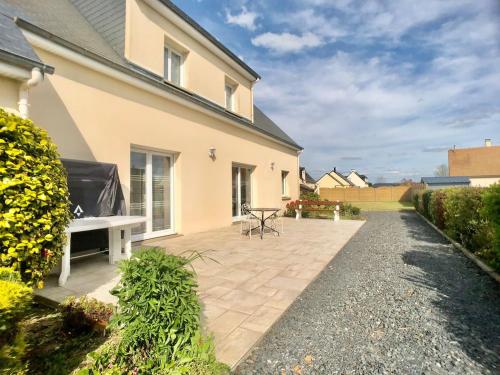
(249, 288)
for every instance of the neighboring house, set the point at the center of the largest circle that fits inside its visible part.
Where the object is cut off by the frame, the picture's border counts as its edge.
(435, 183)
(140, 84)
(359, 180)
(333, 179)
(307, 183)
(480, 164)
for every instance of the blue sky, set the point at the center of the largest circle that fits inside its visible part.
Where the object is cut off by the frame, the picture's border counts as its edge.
(384, 87)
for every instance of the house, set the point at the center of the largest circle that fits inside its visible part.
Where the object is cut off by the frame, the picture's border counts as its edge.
(307, 183)
(141, 85)
(480, 164)
(359, 180)
(435, 183)
(333, 179)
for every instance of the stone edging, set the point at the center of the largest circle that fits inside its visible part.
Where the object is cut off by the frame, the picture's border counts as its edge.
(490, 271)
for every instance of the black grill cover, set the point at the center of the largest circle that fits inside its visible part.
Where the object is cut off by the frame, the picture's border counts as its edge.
(94, 190)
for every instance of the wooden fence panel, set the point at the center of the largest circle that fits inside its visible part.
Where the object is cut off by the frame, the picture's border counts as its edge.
(380, 194)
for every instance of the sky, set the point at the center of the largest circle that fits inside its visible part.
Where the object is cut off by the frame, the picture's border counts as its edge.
(383, 87)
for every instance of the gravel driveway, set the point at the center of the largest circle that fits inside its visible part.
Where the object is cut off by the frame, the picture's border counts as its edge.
(398, 299)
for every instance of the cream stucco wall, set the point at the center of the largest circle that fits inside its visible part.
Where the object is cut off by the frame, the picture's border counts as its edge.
(9, 94)
(92, 116)
(327, 182)
(356, 180)
(146, 34)
(484, 181)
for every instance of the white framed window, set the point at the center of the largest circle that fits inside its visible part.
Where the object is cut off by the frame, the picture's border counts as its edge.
(151, 193)
(284, 183)
(241, 181)
(173, 66)
(229, 93)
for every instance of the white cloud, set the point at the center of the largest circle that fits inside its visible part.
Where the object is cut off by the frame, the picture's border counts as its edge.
(286, 42)
(245, 19)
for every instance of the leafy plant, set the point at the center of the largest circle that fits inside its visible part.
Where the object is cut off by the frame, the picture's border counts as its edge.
(491, 199)
(437, 208)
(15, 298)
(157, 324)
(34, 205)
(349, 210)
(465, 220)
(426, 201)
(311, 196)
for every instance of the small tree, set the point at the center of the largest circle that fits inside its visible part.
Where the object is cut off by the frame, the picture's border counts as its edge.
(34, 205)
(441, 170)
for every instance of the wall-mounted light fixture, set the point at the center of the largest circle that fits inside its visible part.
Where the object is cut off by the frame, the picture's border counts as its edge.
(211, 152)
(272, 165)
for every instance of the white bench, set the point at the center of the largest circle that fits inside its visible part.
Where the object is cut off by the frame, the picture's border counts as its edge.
(115, 224)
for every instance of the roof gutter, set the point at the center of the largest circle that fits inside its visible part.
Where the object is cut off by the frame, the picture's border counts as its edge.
(54, 44)
(24, 62)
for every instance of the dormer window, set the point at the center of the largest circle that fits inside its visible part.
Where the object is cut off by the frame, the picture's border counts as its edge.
(172, 66)
(229, 90)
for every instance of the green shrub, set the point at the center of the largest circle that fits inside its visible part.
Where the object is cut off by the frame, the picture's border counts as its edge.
(347, 209)
(34, 206)
(15, 298)
(416, 201)
(426, 201)
(84, 314)
(491, 199)
(158, 320)
(465, 220)
(437, 209)
(310, 196)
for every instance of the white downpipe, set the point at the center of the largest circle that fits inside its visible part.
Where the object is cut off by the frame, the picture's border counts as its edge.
(36, 78)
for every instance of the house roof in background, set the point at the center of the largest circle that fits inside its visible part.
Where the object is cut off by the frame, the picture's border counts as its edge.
(64, 23)
(446, 180)
(339, 176)
(309, 178)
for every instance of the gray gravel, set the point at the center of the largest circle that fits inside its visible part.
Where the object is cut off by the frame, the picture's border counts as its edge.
(398, 299)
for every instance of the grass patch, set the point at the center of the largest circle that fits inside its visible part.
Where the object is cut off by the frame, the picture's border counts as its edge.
(49, 348)
(383, 206)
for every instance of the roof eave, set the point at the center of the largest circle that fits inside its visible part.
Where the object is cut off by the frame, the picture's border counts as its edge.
(162, 85)
(24, 62)
(191, 22)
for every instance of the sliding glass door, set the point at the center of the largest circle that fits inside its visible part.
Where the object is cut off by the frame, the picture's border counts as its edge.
(241, 189)
(151, 193)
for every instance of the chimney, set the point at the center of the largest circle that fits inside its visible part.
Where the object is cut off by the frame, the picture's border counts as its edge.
(487, 142)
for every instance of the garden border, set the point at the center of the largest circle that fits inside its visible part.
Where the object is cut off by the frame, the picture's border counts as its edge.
(487, 269)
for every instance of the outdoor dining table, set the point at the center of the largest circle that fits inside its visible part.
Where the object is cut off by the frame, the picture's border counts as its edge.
(263, 218)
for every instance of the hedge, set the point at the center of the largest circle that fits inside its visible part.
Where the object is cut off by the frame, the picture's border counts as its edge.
(34, 205)
(470, 216)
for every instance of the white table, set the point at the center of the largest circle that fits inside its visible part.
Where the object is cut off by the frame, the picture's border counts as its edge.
(115, 224)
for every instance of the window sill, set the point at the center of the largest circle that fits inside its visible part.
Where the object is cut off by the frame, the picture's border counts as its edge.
(286, 198)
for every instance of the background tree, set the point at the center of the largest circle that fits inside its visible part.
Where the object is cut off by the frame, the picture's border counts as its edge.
(441, 170)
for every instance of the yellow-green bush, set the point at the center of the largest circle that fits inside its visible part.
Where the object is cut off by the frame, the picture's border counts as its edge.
(14, 301)
(34, 205)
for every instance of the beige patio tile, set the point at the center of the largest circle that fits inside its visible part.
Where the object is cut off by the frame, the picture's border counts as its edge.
(266, 291)
(238, 275)
(211, 311)
(217, 291)
(226, 323)
(236, 345)
(262, 319)
(239, 300)
(282, 299)
(259, 279)
(287, 283)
